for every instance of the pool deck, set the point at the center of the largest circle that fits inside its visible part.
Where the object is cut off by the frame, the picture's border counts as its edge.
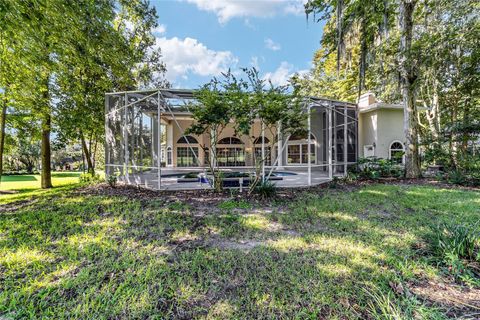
(150, 180)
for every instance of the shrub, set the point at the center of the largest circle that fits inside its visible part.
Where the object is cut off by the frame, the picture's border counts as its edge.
(266, 189)
(112, 181)
(458, 177)
(459, 240)
(457, 246)
(374, 168)
(89, 178)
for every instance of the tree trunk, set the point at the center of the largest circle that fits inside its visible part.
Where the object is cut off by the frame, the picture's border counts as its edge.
(87, 153)
(46, 175)
(407, 78)
(2, 132)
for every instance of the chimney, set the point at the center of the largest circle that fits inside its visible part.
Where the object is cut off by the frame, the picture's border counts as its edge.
(366, 100)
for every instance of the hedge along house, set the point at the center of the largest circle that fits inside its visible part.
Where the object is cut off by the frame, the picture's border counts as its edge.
(146, 143)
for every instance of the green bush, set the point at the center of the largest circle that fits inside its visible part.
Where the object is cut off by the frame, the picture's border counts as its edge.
(457, 246)
(373, 168)
(89, 178)
(463, 178)
(266, 189)
(112, 180)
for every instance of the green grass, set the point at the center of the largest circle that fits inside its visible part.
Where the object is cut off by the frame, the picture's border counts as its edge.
(31, 181)
(68, 255)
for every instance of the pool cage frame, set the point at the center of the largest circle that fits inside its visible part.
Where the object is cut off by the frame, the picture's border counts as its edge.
(121, 139)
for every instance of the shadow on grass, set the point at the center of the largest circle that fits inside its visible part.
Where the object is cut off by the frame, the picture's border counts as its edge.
(89, 256)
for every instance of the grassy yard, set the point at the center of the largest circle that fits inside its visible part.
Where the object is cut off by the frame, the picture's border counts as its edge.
(331, 254)
(32, 181)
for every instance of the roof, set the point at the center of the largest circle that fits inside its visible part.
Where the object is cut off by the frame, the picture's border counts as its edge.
(385, 106)
(189, 94)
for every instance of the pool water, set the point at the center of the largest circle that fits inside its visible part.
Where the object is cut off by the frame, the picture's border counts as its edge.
(228, 174)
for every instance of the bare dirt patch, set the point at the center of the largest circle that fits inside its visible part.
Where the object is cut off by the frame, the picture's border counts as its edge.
(458, 301)
(17, 205)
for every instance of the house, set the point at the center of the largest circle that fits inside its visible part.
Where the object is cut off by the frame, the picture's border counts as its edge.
(380, 129)
(146, 143)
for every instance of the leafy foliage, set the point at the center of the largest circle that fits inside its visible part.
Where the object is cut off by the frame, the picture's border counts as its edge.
(374, 168)
(57, 60)
(112, 181)
(238, 102)
(89, 178)
(458, 247)
(266, 189)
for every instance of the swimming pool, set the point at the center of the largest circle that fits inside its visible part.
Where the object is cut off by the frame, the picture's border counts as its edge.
(229, 174)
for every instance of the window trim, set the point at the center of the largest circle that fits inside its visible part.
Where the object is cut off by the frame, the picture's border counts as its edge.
(390, 150)
(300, 143)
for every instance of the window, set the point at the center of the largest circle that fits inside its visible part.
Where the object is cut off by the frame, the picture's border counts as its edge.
(397, 152)
(186, 156)
(258, 150)
(259, 140)
(169, 155)
(187, 139)
(297, 149)
(230, 140)
(229, 156)
(268, 155)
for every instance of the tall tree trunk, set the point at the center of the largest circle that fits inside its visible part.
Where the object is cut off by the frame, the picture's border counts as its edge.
(87, 153)
(46, 175)
(408, 77)
(2, 131)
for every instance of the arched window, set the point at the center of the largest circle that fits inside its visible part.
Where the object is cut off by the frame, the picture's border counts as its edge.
(230, 140)
(230, 156)
(396, 152)
(187, 156)
(259, 140)
(187, 139)
(297, 149)
(169, 156)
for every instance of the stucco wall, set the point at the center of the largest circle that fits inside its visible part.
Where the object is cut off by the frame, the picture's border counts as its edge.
(367, 130)
(203, 139)
(382, 127)
(390, 129)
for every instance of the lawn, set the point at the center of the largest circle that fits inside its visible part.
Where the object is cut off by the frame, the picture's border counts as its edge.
(32, 181)
(354, 253)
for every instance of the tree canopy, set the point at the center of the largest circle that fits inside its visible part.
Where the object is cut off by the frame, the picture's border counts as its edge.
(58, 59)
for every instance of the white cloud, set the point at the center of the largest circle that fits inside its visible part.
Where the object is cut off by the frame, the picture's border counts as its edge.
(185, 56)
(159, 30)
(272, 45)
(282, 74)
(228, 9)
(296, 7)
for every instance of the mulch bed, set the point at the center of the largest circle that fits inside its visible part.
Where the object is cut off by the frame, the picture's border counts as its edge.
(283, 194)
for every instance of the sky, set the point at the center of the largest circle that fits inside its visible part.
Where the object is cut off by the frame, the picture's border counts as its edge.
(200, 39)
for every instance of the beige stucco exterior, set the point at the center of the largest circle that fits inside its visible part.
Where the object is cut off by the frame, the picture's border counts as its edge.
(379, 126)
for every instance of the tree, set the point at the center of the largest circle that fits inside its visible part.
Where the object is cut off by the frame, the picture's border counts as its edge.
(107, 57)
(408, 77)
(58, 59)
(238, 102)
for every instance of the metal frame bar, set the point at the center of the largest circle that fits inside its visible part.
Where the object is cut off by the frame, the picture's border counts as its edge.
(329, 139)
(159, 142)
(125, 138)
(333, 109)
(309, 153)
